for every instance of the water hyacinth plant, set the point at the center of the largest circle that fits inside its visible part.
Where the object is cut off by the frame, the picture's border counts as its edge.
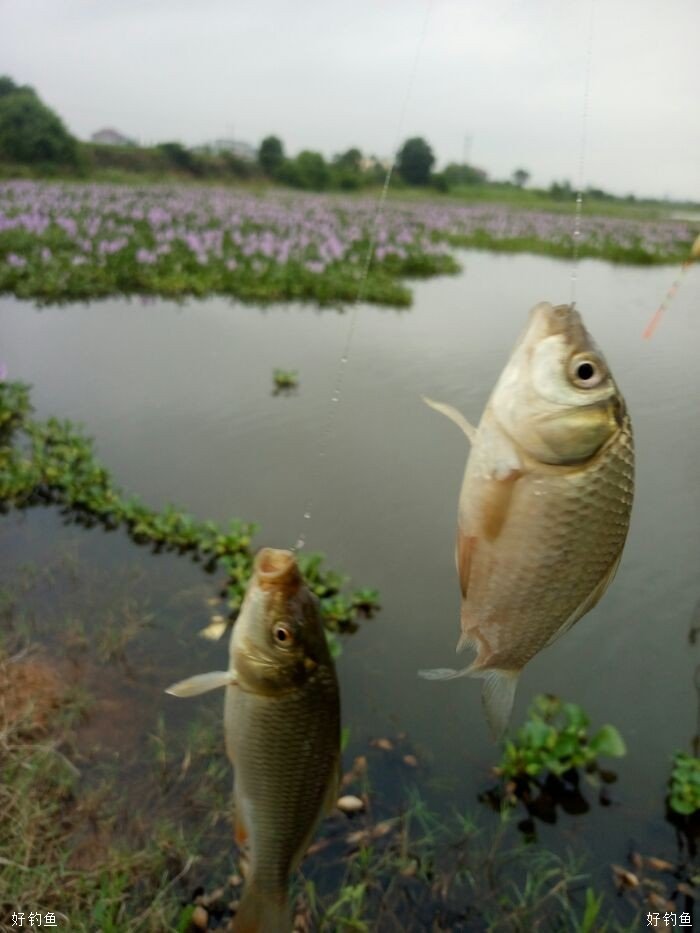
(52, 461)
(285, 379)
(61, 242)
(555, 739)
(684, 785)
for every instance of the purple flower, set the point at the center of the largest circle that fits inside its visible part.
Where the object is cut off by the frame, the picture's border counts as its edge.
(17, 262)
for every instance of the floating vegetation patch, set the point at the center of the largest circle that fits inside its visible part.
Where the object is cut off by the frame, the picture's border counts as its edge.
(542, 766)
(684, 785)
(66, 242)
(285, 380)
(53, 462)
(555, 739)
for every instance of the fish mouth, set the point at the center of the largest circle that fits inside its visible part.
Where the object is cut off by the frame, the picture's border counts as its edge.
(553, 320)
(277, 569)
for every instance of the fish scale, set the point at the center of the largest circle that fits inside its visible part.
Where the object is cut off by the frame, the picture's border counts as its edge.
(515, 601)
(283, 749)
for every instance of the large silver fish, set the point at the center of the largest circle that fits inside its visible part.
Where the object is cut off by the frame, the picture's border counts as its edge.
(545, 503)
(282, 729)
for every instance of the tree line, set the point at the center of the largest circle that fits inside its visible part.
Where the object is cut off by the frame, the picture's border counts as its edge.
(33, 135)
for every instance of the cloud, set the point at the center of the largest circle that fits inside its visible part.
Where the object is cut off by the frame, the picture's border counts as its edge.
(509, 74)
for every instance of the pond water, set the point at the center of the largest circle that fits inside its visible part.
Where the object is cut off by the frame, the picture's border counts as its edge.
(179, 401)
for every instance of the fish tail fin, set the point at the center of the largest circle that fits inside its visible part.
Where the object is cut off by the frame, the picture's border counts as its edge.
(497, 696)
(444, 673)
(260, 912)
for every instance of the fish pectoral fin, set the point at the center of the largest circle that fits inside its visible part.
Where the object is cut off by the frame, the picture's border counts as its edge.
(202, 683)
(453, 415)
(496, 500)
(589, 602)
(333, 790)
(240, 833)
(214, 630)
(464, 552)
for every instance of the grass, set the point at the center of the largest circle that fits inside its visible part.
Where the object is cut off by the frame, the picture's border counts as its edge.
(103, 855)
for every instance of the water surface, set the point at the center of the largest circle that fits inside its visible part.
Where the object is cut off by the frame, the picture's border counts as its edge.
(179, 401)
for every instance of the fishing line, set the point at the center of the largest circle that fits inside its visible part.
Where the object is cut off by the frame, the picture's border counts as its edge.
(671, 293)
(582, 151)
(341, 366)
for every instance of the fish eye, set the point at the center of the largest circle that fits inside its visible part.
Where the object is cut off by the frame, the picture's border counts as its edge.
(586, 372)
(283, 636)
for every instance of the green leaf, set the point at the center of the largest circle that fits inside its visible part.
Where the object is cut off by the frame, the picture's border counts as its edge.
(608, 741)
(682, 806)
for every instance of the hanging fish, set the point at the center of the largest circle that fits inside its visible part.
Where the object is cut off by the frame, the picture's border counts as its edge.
(545, 503)
(282, 731)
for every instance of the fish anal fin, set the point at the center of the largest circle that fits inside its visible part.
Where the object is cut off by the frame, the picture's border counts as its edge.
(466, 640)
(202, 683)
(456, 416)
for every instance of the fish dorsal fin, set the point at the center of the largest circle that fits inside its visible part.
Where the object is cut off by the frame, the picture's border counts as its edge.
(453, 415)
(202, 683)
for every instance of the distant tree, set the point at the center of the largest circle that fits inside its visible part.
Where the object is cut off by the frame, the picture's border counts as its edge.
(346, 170)
(271, 155)
(8, 86)
(414, 161)
(464, 174)
(561, 191)
(350, 159)
(312, 171)
(521, 177)
(30, 131)
(180, 157)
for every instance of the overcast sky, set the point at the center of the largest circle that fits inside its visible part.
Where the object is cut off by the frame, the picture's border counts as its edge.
(502, 80)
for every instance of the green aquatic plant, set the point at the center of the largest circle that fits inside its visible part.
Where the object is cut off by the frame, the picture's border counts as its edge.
(684, 784)
(555, 739)
(366, 600)
(285, 378)
(52, 461)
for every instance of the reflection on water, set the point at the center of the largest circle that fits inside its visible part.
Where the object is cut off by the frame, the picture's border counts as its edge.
(178, 399)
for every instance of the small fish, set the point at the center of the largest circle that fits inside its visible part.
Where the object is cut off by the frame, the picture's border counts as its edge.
(282, 730)
(545, 503)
